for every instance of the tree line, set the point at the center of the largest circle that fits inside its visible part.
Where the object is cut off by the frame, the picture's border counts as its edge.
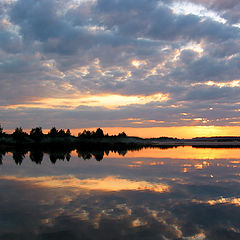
(36, 134)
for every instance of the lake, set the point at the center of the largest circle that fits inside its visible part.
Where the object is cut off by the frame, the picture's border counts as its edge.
(176, 193)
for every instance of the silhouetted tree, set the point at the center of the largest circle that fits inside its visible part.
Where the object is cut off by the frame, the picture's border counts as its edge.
(122, 134)
(36, 156)
(2, 153)
(18, 134)
(122, 152)
(98, 155)
(99, 133)
(68, 133)
(1, 131)
(85, 133)
(53, 132)
(61, 133)
(18, 156)
(36, 134)
(68, 156)
(52, 158)
(84, 155)
(56, 155)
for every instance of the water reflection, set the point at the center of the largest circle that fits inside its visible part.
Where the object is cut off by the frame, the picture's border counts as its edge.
(36, 154)
(55, 154)
(110, 183)
(144, 195)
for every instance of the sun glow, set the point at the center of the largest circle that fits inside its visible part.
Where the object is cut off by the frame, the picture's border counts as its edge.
(138, 63)
(108, 101)
(179, 132)
(194, 47)
(158, 156)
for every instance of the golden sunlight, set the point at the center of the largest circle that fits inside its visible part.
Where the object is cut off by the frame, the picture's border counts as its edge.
(187, 152)
(110, 183)
(138, 63)
(194, 47)
(179, 132)
(232, 84)
(108, 101)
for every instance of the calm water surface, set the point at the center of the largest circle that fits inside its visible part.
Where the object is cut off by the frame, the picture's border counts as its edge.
(179, 193)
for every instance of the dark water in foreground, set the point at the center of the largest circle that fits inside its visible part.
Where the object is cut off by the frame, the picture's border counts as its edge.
(180, 193)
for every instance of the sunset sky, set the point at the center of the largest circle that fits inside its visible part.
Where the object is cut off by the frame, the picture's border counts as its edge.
(151, 67)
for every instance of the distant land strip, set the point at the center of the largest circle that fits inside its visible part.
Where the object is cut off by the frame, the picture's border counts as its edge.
(97, 139)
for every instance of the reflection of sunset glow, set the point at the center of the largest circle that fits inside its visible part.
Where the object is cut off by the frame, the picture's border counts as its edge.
(138, 222)
(234, 201)
(199, 236)
(186, 152)
(198, 166)
(110, 183)
(144, 163)
(222, 200)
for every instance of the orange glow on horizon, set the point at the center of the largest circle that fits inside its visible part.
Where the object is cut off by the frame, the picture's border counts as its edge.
(186, 132)
(178, 132)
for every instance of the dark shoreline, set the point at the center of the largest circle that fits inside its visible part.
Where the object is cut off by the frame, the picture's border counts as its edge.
(97, 148)
(114, 142)
(59, 144)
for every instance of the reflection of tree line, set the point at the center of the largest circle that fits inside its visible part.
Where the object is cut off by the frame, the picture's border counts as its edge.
(58, 154)
(59, 144)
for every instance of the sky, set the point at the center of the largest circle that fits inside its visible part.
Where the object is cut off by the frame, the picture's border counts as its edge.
(145, 65)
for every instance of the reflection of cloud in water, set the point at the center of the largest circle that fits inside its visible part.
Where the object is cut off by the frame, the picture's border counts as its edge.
(200, 236)
(79, 200)
(222, 200)
(32, 210)
(110, 183)
(235, 201)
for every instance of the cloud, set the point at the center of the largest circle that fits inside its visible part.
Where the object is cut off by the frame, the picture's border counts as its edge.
(57, 50)
(227, 9)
